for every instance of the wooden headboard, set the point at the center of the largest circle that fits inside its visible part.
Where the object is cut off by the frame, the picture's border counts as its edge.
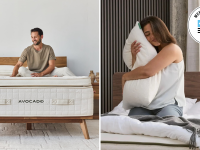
(192, 86)
(61, 61)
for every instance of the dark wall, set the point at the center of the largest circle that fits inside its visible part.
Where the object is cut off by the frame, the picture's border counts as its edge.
(117, 19)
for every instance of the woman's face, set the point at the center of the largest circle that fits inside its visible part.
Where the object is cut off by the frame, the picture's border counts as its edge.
(149, 35)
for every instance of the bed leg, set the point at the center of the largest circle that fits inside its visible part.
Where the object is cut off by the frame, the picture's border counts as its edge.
(28, 126)
(84, 129)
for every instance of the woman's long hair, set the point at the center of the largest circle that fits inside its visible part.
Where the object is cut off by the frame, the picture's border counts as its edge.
(159, 29)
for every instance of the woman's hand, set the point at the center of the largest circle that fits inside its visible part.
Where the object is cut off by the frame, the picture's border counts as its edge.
(135, 48)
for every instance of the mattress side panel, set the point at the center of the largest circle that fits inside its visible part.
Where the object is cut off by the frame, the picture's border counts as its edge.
(46, 101)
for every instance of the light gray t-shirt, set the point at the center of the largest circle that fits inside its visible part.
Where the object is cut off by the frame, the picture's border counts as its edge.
(37, 61)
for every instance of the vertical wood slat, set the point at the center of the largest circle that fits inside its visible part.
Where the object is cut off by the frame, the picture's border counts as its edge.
(118, 17)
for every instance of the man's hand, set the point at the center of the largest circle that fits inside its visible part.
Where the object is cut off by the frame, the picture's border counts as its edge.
(36, 74)
(46, 71)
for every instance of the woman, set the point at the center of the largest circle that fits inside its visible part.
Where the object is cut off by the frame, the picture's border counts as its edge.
(170, 98)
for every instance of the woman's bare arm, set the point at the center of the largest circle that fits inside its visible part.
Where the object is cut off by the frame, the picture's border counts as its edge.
(135, 48)
(133, 61)
(165, 57)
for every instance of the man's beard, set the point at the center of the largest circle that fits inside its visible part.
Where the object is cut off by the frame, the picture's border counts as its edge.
(37, 42)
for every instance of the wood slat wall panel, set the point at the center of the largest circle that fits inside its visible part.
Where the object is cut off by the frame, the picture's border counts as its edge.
(117, 19)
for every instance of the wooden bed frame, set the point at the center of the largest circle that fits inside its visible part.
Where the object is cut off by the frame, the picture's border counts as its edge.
(192, 86)
(60, 62)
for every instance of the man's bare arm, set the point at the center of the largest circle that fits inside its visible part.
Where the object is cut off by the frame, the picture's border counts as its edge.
(16, 68)
(46, 71)
(50, 68)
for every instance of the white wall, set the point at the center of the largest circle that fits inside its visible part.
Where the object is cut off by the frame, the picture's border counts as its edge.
(71, 27)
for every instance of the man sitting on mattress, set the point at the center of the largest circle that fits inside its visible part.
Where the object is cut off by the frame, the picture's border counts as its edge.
(40, 58)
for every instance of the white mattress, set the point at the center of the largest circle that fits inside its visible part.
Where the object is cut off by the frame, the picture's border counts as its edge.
(111, 146)
(45, 81)
(140, 142)
(45, 101)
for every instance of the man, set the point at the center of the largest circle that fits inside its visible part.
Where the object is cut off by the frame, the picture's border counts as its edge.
(40, 57)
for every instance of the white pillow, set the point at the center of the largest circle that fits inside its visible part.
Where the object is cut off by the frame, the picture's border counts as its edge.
(137, 93)
(194, 110)
(60, 72)
(6, 70)
(188, 105)
(119, 110)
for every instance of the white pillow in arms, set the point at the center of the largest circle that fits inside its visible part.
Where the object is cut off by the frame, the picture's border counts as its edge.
(137, 93)
(6, 70)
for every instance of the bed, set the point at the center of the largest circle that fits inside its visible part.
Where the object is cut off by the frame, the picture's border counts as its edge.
(113, 141)
(45, 99)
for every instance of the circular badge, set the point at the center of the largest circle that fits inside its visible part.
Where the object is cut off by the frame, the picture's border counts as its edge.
(194, 24)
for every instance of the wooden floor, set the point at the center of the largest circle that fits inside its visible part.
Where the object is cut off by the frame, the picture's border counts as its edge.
(51, 136)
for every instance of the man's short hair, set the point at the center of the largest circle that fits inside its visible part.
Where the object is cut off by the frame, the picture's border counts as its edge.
(40, 32)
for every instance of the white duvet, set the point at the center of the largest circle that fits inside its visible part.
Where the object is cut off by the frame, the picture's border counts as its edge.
(125, 125)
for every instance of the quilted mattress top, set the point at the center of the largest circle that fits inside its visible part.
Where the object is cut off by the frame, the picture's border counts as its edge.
(45, 81)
